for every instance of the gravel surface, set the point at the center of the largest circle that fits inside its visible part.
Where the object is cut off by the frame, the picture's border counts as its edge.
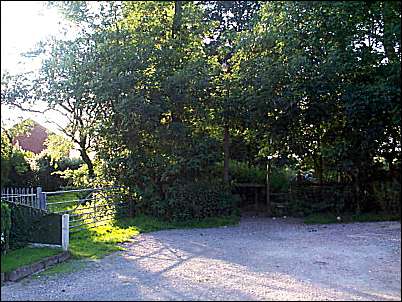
(262, 259)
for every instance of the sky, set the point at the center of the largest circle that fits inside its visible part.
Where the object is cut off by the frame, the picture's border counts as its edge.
(23, 24)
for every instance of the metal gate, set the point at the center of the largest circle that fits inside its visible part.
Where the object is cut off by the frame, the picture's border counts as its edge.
(87, 208)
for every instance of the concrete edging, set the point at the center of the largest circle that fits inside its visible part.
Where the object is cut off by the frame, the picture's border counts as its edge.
(30, 269)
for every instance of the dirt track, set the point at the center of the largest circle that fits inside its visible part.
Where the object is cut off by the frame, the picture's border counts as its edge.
(262, 259)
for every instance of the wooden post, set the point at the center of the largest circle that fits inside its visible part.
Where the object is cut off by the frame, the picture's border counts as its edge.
(65, 231)
(268, 199)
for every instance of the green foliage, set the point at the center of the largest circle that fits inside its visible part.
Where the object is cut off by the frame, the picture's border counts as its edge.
(146, 224)
(75, 177)
(14, 166)
(243, 173)
(316, 85)
(388, 196)
(24, 169)
(50, 174)
(5, 227)
(280, 179)
(313, 199)
(188, 201)
(15, 163)
(58, 148)
(25, 256)
(62, 197)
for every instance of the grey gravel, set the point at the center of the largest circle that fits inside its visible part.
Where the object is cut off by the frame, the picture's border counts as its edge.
(261, 259)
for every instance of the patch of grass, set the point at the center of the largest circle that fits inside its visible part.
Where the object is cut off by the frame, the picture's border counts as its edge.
(146, 224)
(97, 242)
(64, 267)
(327, 218)
(24, 256)
(51, 199)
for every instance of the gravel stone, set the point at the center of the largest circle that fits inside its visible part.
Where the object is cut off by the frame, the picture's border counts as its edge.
(261, 259)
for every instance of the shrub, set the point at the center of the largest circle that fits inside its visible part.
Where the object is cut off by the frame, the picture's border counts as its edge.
(310, 199)
(187, 201)
(18, 172)
(241, 172)
(280, 179)
(5, 227)
(387, 196)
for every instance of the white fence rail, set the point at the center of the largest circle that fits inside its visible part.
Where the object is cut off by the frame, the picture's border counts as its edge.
(32, 197)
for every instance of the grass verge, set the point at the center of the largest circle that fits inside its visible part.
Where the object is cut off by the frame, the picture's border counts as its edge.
(326, 218)
(71, 265)
(24, 256)
(97, 242)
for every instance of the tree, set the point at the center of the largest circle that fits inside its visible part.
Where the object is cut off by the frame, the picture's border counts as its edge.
(58, 147)
(15, 169)
(232, 17)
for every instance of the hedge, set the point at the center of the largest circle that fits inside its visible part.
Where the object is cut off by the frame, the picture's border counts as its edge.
(5, 226)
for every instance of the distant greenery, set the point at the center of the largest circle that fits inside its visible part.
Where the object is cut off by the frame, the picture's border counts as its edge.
(20, 168)
(24, 256)
(326, 218)
(62, 198)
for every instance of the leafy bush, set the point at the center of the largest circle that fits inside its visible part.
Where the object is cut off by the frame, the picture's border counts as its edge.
(187, 201)
(308, 199)
(241, 172)
(280, 179)
(387, 196)
(51, 174)
(17, 170)
(5, 227)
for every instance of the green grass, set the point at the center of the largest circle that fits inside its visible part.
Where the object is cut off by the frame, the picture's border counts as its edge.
(326, 218)
(24, 256)
(64, 267)
(97, 242)
(62, 197)
(146, 224)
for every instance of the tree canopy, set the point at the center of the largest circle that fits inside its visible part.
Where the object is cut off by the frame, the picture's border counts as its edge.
(164, 91)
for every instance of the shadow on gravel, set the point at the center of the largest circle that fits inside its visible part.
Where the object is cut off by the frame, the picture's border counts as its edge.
(274, 260)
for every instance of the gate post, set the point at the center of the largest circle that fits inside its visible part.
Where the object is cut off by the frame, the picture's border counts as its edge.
(65, 231)
(41, 197)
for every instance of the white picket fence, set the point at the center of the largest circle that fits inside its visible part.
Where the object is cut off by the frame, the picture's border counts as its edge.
(32, 197)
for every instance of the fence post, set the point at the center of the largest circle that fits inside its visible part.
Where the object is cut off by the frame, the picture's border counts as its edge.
(41, 197)
(65, 231)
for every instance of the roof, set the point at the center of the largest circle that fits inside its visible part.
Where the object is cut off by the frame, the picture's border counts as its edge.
(33, 140)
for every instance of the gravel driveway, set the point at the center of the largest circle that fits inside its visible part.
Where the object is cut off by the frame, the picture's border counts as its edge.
(262, 259)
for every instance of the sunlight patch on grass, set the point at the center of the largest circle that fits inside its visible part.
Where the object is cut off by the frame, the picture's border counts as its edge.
(98, 242)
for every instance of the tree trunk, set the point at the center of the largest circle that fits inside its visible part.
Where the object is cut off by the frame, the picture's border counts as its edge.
(226, 150)
(176, 19)
(87, 160)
